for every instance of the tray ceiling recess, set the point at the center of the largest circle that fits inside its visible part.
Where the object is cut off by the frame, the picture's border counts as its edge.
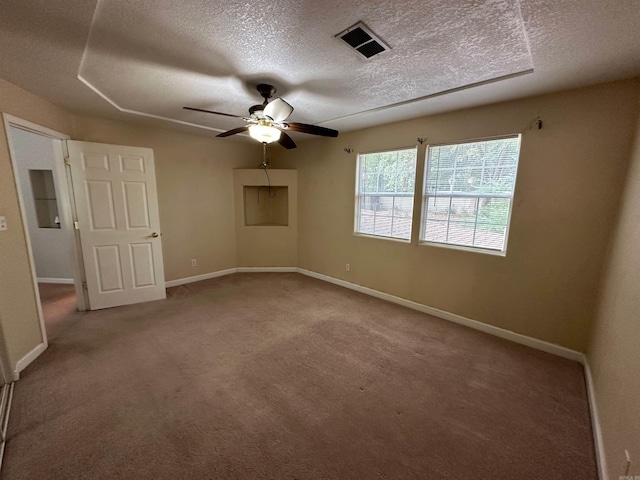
(152, 61)
(114, 58)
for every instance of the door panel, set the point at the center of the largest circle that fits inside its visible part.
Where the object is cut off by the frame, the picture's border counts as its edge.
(135, 200)
(107, 260)
(101, 207)
(132, 164)
(95, 162)
(143, 272)
(118, 219)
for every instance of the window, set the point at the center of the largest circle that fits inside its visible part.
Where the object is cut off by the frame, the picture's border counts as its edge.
(469, 192)
(44, 198)
(384, 193)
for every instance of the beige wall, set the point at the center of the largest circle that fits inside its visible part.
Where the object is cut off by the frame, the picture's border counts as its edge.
(195, 190)
(567, 190)
(18, 311)
(614, 349)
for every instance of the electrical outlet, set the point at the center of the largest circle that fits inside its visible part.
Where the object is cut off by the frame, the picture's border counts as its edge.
(193, 262)
(347, 267)
(3, 223)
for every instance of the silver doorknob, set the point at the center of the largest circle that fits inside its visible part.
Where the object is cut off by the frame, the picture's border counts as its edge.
(154, 235)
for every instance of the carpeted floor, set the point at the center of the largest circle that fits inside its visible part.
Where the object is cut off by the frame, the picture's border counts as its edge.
(58, 302)
(281, 376)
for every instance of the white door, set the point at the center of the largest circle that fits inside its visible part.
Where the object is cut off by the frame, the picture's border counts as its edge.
(117, 207)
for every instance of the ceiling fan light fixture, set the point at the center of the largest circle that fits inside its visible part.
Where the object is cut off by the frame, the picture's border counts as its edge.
(264, 133)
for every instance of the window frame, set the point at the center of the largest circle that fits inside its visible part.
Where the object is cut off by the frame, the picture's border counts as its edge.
(358, 195)
(423, 210)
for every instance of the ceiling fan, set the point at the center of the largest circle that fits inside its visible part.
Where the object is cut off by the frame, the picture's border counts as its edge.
(267, 121)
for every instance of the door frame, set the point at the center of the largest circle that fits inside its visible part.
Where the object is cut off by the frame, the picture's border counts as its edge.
(67, 210)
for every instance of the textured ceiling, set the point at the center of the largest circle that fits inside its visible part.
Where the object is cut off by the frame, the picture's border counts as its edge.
(148, 58)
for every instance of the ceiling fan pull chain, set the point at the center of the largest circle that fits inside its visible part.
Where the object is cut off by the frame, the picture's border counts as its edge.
(265, 164)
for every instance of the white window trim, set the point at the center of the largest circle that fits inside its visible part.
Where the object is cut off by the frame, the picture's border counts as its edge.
(384, 237)
(357, 195)
(467, 248)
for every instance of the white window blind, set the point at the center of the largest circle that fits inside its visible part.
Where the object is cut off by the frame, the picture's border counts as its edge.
(384, 193)
(468, 193)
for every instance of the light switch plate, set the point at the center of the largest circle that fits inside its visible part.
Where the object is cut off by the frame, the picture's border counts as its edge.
(3, 223)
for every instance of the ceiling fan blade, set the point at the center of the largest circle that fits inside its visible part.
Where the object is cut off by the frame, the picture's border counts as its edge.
(312, 129)
(233, 132)
(277, 110)
(211, 111)
(286, 141)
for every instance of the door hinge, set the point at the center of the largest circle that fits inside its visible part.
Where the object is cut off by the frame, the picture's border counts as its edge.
(67, 161)
(76, 226)
(84, 284)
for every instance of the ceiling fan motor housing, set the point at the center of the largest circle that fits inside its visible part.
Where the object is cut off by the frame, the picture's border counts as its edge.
(256, 108)
(266, 90)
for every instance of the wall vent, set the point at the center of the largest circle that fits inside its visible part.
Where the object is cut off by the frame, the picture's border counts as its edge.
(363, 40)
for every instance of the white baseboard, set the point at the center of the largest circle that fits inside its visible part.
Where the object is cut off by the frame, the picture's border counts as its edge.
(28, 358)
(65, 281)
(266, 269)
(229, 271)
(452, 317)
(595, 422)
(198, 278)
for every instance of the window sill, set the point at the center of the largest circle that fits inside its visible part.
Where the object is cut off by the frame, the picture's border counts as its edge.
(381, 237)
(495, 253)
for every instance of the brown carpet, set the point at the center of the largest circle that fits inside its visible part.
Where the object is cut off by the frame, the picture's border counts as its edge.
(58, 302)
(281, 376)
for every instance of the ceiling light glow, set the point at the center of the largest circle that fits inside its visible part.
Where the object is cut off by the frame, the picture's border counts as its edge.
(264, 133)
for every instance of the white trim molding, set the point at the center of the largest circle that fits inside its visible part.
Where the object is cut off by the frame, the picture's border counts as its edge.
(267, 269)
(229, 271)
(9, 122)
(595, 421)
(455, 318)
(199, 278)
(25, 361)
(62, 281)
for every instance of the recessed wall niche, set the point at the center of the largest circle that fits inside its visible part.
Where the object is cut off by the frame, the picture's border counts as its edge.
(266, 206)
(44, 198)
(266, 230)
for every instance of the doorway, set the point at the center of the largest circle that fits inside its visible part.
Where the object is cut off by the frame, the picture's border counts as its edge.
(41, 178)
(91, 216)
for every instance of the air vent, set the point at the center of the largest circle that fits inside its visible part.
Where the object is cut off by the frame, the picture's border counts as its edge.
(362, 40)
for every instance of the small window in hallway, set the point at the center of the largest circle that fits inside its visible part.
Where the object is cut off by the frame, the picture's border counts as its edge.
(44, 198)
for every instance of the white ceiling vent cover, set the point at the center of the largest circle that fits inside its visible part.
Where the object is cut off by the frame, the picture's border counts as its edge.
(360, 38)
